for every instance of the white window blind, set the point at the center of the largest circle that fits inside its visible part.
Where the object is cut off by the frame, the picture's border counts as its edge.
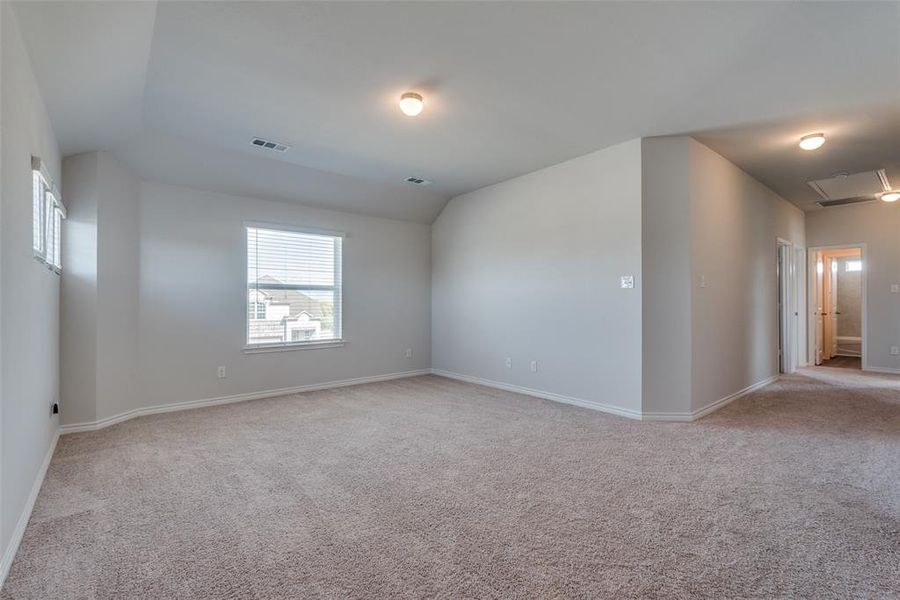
(293, 287)
(47, 215)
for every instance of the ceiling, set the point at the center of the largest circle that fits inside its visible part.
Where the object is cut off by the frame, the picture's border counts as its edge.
(178, 89)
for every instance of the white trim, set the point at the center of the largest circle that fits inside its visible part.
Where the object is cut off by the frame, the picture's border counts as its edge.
(882, 370)
(10, 553)
(607, 408)
(709, 408)
(176, 406)
(260, 348)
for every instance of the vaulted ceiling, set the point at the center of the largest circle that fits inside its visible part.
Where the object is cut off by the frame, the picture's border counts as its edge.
(178, 89)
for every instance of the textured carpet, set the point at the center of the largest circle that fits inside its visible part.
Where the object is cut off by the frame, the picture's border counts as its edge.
(431, 488)
(844, 362)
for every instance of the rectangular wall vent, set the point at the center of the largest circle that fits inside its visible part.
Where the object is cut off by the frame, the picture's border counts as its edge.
(417, 181)
(844, 201)
(269, 145)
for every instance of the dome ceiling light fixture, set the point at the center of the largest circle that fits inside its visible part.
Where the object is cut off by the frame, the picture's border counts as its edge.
(892, 196)
(411, 104)
(812, 141)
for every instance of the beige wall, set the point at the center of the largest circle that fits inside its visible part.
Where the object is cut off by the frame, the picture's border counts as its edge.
(877, 225)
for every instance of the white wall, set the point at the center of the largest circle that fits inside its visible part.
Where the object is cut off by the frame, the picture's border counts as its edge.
(877, 225)
(78, 310)
(706, 220)
(29, 307)
(666, 257)
(99, 288)
(193, 297)
(118, 263)
(735, 224)
(529, 269)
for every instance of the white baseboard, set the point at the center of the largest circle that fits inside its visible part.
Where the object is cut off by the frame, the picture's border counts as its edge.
(163, 408)
(709, 408)
(882, 370)
(607, 408)
(10, 552)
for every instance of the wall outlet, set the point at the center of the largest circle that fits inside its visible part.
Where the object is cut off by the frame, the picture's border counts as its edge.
(508, 363)
(703, 281)
(895, 350)
(627, 282)
(534, 366)
(54, 409)
(895, 288)
(409, 353)
(221, 373)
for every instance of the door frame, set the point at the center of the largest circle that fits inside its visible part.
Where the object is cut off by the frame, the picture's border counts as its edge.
(811, 298)
(788, 301)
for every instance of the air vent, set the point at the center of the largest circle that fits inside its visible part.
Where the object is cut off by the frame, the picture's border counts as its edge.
(844, 201)
(845, 186)
(270, 145)
(417, 181)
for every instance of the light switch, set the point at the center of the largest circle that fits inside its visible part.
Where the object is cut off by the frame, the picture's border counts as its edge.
(627, 282)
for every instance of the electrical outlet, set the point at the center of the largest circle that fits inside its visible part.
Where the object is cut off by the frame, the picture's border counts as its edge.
(221, 373)
(627, 282)
(508, 363)
(534, 366)
(895, 288)
(895, 350)
(409, 353)
(703, 281)
(54, 409)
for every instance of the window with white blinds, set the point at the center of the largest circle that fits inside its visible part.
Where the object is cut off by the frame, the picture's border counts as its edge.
(47, 215)
(293, 287)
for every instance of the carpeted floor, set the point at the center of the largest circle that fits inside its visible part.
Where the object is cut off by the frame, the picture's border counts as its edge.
(844, 362)
(431, 488)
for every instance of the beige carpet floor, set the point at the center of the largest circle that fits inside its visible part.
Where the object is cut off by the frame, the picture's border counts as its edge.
(431, 488)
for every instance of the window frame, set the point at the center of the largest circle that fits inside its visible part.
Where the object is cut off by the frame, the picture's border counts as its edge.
(48, 209)
(338, 289)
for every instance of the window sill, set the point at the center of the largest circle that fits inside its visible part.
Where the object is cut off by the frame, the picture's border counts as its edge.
(294, 346)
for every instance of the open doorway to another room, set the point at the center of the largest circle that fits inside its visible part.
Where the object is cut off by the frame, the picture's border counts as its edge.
(837, 280)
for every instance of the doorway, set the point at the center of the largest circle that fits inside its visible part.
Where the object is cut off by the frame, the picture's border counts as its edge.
(838, 311)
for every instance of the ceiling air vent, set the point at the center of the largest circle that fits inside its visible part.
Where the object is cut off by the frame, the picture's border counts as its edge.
(417, 181)
(270, 145)
(844, 201)
(851, 188)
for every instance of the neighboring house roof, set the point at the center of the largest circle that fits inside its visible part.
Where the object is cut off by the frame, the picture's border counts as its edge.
(298, 301)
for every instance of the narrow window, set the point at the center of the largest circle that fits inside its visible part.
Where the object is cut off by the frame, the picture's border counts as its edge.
(47, 215)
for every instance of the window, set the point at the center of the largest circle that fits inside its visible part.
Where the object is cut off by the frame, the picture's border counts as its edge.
(47, 215)
(852, 265)
(293, 287)
(257, 310)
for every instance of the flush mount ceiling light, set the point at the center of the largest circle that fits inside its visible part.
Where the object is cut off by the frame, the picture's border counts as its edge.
(890, 196)
(812, 141)
(411, 104)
